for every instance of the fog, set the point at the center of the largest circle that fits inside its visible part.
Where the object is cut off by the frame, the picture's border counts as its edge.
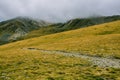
(58, 10)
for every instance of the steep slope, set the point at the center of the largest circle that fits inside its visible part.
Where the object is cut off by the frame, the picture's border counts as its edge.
(99, 40)
(71, 25)
(13, 29)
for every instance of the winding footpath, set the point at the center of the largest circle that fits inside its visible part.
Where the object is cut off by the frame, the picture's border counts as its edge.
(99, 61)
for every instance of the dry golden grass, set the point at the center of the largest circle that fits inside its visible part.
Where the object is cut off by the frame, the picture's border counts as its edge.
(102, 40)
(22, 64)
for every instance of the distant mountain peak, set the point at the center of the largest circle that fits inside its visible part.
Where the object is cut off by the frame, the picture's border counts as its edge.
(19, 26)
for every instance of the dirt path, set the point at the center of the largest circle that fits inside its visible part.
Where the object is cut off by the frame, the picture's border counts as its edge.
(99, 61)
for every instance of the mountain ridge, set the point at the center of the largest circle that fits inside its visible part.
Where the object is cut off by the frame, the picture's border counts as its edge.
(23, 28)
(71, 25)
(18, 27)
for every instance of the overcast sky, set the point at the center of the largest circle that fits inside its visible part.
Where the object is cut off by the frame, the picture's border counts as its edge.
(58, 10)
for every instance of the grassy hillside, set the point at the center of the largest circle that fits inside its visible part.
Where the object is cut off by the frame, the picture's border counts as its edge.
(100, 40)
(44, 31)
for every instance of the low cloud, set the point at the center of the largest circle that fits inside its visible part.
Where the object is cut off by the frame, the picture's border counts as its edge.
(58, 10)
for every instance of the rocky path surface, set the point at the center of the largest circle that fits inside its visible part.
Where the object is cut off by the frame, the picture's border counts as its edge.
(99, 61)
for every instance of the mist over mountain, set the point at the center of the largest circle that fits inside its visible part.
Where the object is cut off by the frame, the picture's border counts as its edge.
(24, 28)
(13, 29)
(58, 10)
(62, 14)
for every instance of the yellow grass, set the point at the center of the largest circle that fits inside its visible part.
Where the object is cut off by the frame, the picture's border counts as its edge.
(22, 64)
(101, 40)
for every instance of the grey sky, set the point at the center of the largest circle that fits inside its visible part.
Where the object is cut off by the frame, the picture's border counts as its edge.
(58, 10)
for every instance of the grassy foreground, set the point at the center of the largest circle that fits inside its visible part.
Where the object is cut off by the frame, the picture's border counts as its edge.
(34, 65)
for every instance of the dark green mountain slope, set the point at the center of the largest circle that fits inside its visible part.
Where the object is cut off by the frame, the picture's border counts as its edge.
(13, 29)
(79, 23)
(70, 25)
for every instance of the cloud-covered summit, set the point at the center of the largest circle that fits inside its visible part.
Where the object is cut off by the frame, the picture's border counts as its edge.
(58, 10)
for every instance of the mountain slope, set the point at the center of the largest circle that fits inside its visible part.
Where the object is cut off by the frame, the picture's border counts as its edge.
(24, 28)
(79, 23)
(99, 40)
(70, 25)
(12, 29)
